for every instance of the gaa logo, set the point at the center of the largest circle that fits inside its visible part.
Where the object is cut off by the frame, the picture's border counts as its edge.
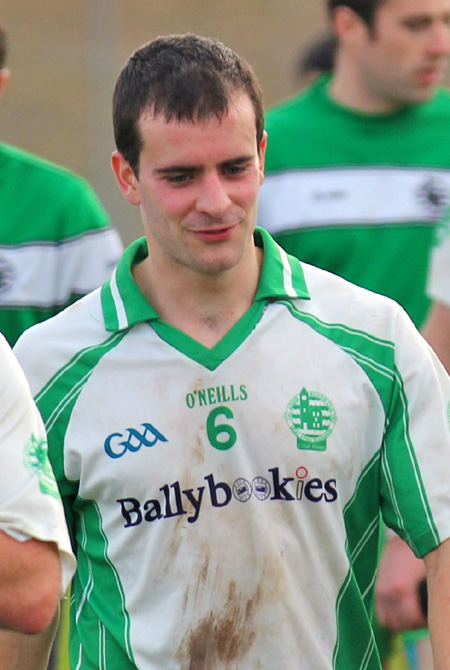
(118, 444)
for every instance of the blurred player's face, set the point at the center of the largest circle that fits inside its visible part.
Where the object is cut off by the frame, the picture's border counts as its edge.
(197, 189)
(402, 59)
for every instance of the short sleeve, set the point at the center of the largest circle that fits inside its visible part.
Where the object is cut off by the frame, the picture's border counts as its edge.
(415, 466)
(30, 505)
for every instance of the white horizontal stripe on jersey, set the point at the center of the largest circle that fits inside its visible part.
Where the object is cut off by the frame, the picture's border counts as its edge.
(46, 274)
(352, 196)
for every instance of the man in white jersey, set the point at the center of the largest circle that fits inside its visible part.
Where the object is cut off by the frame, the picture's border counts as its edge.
(226, 423)
(36, 561)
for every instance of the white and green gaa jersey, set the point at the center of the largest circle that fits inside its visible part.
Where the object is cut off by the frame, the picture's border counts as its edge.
(359, 194)
(30, 504)
(439, 280)
(225, 502)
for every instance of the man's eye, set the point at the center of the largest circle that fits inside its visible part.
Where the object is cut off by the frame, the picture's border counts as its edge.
(416, 25)
(235, 170)
(178, 178)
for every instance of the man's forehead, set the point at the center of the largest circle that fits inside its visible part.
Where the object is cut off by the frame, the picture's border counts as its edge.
(416, 7)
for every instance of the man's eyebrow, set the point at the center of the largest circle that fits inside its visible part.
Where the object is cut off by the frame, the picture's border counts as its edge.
(193, 169)
(170, 169)
(240, 160)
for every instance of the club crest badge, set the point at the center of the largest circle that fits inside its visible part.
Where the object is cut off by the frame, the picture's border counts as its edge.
(36, 460)
(311, 417)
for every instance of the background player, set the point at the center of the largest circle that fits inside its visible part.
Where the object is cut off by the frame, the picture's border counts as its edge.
(56, 243)
(358, 167)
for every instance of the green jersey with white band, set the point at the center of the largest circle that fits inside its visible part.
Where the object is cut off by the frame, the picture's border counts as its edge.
(225, 502)
(359, 194)
(56, 243)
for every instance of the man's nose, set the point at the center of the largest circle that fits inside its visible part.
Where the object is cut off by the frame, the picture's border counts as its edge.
(213, 198)
(440, 41)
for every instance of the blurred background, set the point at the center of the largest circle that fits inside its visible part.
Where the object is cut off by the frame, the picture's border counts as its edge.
(65, 56)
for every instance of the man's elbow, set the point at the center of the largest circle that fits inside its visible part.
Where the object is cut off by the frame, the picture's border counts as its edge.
(29, 600)
(38, 613)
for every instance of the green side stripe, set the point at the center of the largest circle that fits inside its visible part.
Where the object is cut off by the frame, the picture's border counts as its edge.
(355, 645)
(418, 506)
(56, 402)
(96, 576)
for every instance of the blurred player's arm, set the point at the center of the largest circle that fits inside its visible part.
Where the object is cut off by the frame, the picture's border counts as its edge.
(396, 594)
(437, 564)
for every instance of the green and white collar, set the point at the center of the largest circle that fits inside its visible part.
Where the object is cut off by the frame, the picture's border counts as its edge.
(124, 305)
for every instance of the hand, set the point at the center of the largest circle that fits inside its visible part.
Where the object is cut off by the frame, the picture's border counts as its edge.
(397, 602)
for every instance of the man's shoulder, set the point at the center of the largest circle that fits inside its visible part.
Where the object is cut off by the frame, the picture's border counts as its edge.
(47, 347)
(440, 102)
(46, 181)
(63, 203)
(443, 95)
(338, 301)
(20, 161)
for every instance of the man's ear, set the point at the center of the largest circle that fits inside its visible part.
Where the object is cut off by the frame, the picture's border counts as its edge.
(125, 177)
(4, 78)
(347, 25)
(262, 154)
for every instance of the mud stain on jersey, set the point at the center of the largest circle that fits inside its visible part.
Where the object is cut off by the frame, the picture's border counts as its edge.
(198, 451)
(221, 637)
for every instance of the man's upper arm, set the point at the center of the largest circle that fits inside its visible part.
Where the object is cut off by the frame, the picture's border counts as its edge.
(30, 583)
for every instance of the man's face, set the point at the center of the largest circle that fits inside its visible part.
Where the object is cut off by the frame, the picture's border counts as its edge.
(197, 189)
(402, 59)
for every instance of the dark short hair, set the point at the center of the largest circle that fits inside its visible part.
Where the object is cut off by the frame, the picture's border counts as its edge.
(3, 46)
(317, 56)
(366, 9)
(182, 77)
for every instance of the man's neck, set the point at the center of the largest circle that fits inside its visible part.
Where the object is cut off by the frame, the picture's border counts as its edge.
(203, 307)
(348, 89)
